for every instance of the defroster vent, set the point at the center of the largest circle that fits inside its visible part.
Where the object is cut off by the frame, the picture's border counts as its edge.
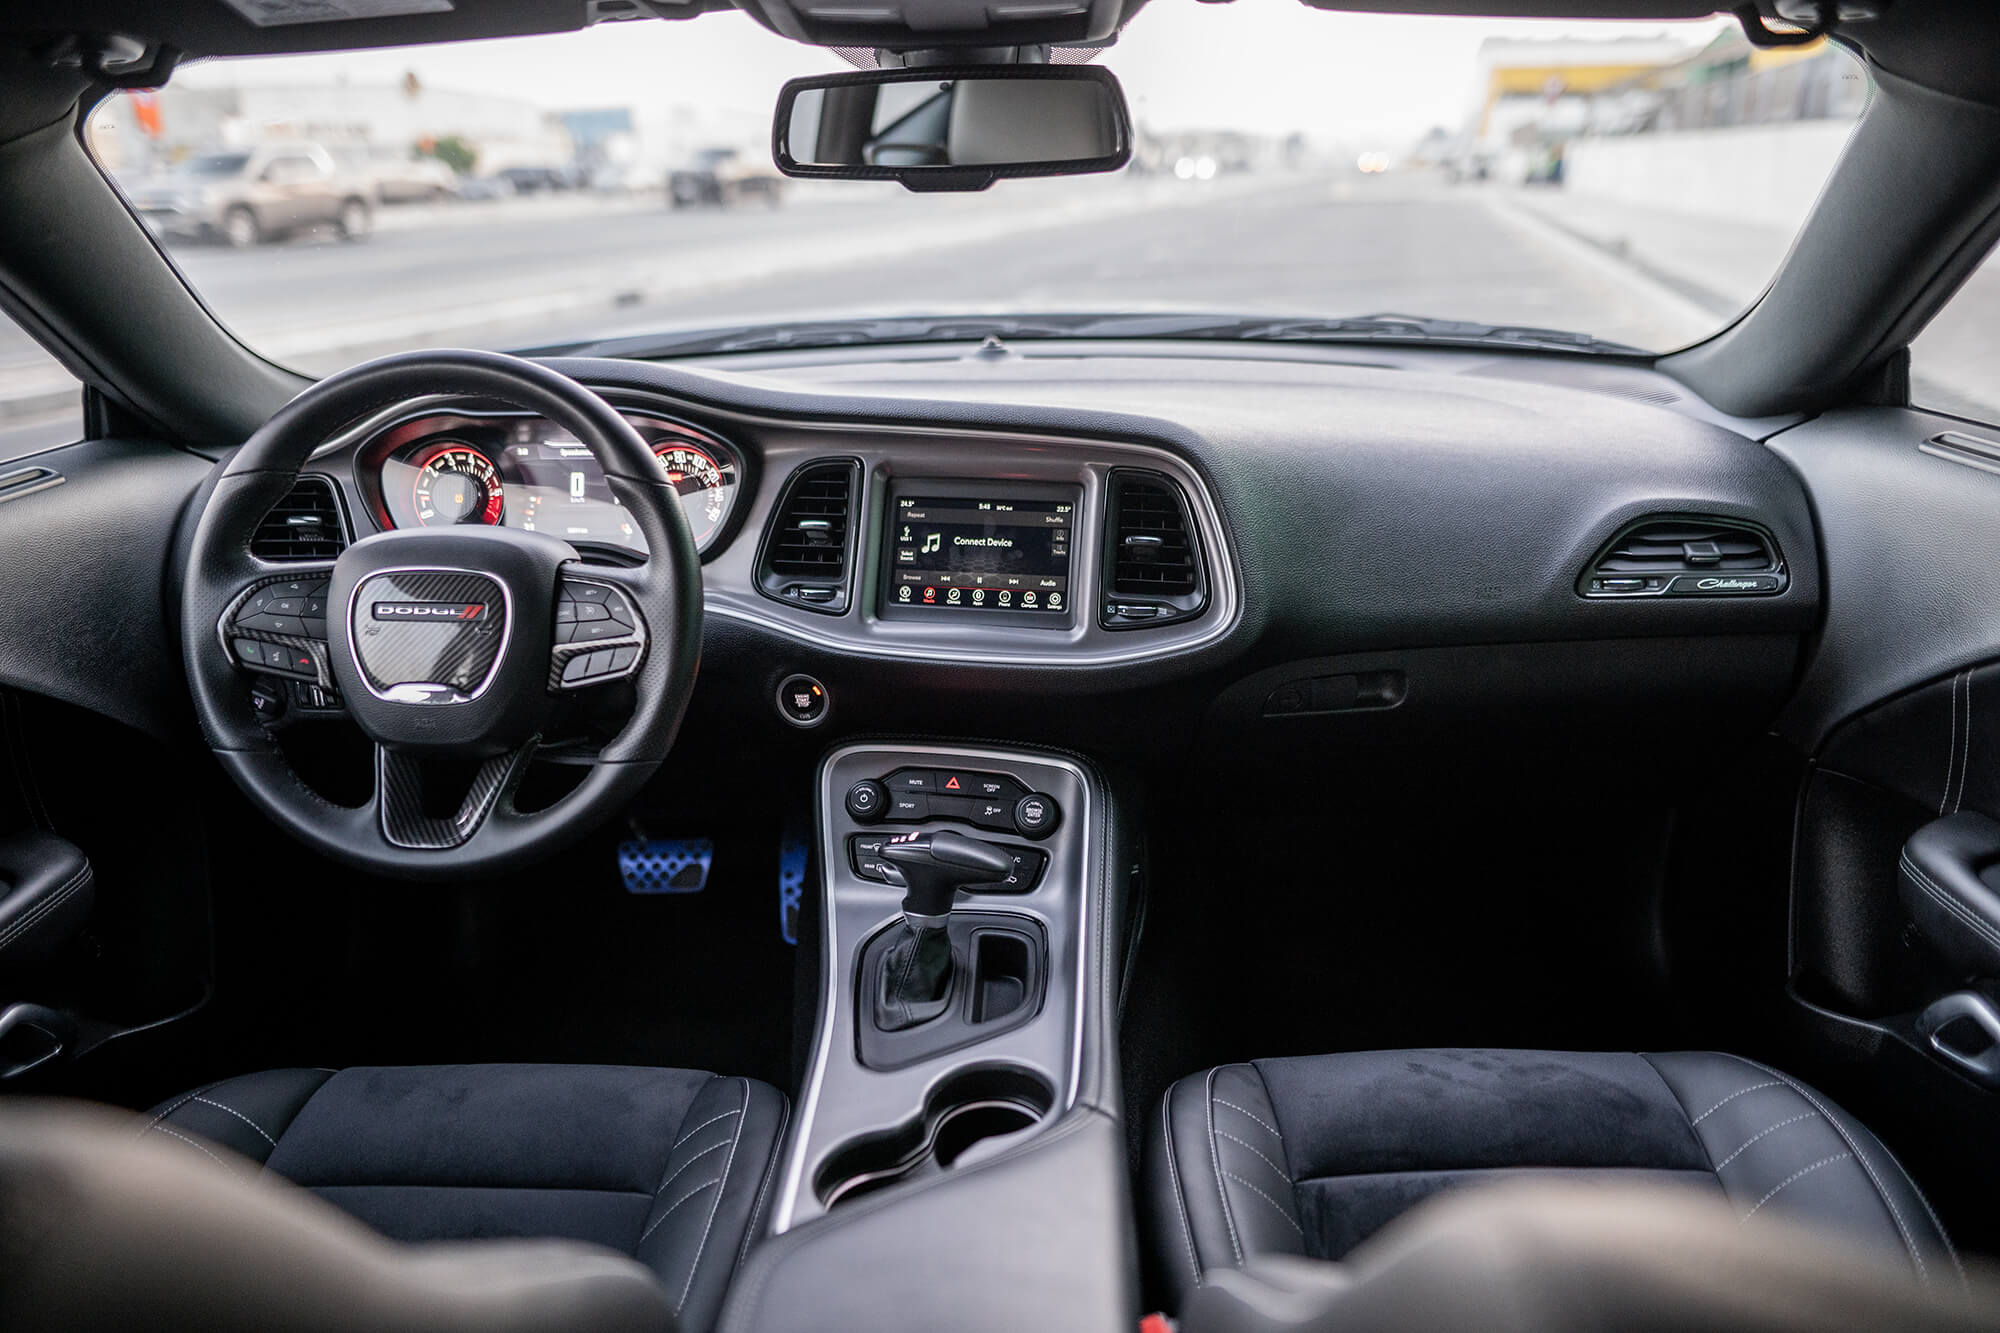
(305, 525)
(1684, 556)
(1152, 558)
(808, 550)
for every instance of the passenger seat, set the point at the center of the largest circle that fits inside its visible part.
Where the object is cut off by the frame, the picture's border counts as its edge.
(1310, 1156)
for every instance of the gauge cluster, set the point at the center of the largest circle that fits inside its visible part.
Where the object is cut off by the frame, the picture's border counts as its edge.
(521, 471)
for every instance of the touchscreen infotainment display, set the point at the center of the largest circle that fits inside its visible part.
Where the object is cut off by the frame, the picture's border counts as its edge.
(999, 550)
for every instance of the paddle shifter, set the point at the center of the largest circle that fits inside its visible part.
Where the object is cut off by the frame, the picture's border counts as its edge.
(916, 976)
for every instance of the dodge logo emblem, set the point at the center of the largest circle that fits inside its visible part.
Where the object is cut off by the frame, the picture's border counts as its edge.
(457, 611)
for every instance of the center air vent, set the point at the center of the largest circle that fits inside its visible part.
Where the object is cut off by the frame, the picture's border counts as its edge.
(808, 548)
(305, 525)
(1686, 556)
(1152, 559)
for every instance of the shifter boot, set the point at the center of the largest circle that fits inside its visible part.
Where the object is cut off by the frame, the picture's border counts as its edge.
(916, 978)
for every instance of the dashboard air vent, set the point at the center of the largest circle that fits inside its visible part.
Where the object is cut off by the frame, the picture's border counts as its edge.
(1686, 555)
(305, 525)
(809, 546)
(1152, 556)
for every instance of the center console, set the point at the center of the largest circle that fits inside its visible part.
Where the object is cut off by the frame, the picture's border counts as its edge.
(960, 890)
(957, 1158)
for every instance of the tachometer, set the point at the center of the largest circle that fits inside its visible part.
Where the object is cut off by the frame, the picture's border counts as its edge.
(698, 476)
(455, 483)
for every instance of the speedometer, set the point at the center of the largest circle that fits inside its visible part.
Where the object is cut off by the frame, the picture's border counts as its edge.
(699, 478)
(455, 483)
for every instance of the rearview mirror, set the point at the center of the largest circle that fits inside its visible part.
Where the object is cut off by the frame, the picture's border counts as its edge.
(953, 129)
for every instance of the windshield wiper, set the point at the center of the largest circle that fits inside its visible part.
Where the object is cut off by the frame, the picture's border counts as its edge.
(1024, 328)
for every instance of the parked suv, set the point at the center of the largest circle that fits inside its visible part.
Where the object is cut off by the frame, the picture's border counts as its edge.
(252, 195)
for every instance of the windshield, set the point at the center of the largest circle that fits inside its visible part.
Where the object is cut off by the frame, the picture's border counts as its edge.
(1634, 182)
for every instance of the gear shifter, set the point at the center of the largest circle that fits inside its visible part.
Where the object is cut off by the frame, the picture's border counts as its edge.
(916, 975)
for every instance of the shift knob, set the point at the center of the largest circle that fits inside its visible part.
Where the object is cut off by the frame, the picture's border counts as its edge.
(935, 865)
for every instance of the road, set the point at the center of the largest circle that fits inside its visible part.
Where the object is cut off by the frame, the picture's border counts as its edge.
(536, 271)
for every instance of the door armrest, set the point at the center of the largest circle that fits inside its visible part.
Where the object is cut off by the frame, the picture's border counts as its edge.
(46, 891)
(1949, 875)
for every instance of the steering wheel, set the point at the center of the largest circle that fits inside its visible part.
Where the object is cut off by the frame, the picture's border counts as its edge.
(451, 648)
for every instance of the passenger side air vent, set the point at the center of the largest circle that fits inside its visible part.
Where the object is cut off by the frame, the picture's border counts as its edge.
(305, 525)
(1687, 556)
(808, 549)
(1152, 556)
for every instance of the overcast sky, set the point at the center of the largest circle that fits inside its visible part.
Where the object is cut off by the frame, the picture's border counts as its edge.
(1266, 65)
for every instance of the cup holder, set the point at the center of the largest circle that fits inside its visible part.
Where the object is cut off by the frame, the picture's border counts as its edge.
(973, 1109)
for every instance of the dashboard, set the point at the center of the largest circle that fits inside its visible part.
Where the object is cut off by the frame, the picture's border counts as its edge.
(518, 470)
(1167, 512)
(890, 541)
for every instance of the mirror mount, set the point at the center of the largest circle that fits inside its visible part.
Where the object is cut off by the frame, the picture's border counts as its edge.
(957, 128)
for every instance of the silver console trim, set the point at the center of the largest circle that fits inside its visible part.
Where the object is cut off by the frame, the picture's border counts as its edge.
(835, 974)
(914, 450)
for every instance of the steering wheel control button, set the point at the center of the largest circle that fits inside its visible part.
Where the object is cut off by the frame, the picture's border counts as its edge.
(866, 801)
(803, 701)
(248, 651)
(1037, 815)
(595, 613)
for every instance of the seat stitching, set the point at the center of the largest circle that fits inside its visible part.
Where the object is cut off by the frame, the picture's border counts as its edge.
(1174, 1174)
(775, 1168)
(703, 1125)
(707, 1184)
(1802, 1171)
(1253, 1115)
(1965, 746)
(1950, 749)
(1282, 1211)
(1909, 1241)
(1761, 1134)
(1282, 1173)
(713, 1147)
(1215, 1161)
(174, 1133)
(1755, 1087)
(154, 1123)
(1949, 901)
(206, 1101)
(715, 1204)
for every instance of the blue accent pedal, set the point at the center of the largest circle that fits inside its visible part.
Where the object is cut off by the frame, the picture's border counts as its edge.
(665, 865)
(793, 852)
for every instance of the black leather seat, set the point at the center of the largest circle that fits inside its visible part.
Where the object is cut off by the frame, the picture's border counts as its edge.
(1310, 1156)
(670, 1166)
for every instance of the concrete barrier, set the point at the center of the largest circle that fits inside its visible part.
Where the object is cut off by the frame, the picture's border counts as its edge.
(1762, 174)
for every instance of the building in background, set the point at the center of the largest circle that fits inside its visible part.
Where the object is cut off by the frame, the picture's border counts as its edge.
(134, 135)
(1532, 96)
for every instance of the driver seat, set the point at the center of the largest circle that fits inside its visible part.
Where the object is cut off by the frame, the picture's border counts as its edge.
(669, 1166)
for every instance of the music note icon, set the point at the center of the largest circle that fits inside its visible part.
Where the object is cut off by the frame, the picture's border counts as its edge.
(932, 541)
